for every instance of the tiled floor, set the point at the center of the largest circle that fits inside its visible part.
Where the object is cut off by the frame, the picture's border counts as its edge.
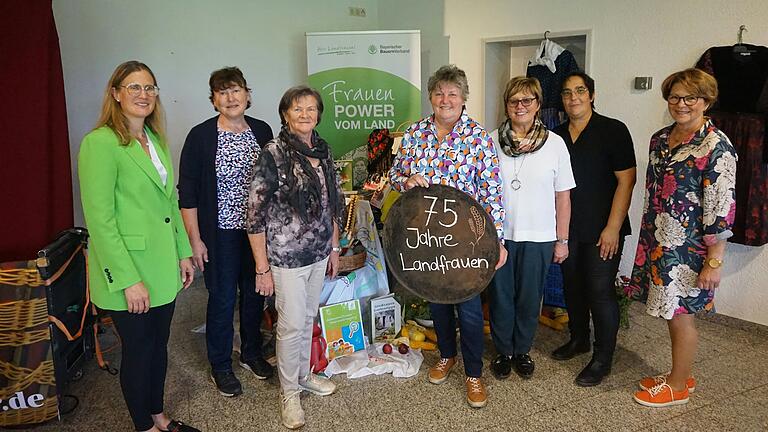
(731, 394)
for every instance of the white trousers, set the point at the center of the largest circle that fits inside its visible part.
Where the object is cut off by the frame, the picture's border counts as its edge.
(297, 298)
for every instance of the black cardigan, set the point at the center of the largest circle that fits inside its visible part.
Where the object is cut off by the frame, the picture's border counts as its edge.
(197, 176)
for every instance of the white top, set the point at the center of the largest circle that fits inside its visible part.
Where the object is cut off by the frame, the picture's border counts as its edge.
(531, 208)
(156, 161)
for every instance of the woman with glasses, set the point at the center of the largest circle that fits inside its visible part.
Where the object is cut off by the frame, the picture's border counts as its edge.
(215, 172)
(139, 252)
(687, 217)
(603, 160)
(536, 169)
(295, 206)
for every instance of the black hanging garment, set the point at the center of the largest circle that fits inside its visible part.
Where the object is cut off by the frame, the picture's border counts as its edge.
(741, 113)
(550, 66)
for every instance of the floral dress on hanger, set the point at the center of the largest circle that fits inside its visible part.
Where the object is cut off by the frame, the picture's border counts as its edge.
(689, 204)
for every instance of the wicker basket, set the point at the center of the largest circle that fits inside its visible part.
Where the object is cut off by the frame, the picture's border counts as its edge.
(349, 263)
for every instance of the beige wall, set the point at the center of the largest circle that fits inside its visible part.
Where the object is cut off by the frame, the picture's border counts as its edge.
(629, 38)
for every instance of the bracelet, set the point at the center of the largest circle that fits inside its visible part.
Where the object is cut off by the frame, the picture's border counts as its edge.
(264, 272)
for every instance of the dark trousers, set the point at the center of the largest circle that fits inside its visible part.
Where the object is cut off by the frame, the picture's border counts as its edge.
(234, 271)
(144, 339)
(589, 287)
(514, 296)
(471, 328)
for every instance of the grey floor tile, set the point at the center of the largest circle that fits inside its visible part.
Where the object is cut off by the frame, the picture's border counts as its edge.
(730, 368)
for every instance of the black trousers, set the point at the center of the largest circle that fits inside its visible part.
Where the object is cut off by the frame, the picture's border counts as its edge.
(589, 288)
(234, 276)
(144, 361)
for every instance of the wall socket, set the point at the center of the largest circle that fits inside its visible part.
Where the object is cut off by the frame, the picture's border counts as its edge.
(357, 11)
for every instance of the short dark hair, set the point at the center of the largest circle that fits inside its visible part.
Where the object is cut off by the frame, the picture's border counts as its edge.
(695, 81)
(295, 93)
(452, 75)
(588, 82)
(225, 78)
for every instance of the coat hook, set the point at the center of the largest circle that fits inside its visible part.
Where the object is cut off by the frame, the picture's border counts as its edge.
(742, 29)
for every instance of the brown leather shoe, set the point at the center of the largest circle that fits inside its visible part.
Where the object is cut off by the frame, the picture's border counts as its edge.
(476, 394)
(439, 372)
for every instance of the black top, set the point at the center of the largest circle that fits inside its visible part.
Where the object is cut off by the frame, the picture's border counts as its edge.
(742, 78)
(197, 176)
(603, 147)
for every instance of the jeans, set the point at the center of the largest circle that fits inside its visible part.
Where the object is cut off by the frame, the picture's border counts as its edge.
(144, 339)
(514, 296)
(589, 286)
(471, 328)
(235, 271)
(297, 300)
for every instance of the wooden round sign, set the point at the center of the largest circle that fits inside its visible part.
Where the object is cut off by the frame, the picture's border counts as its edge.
(440, 244)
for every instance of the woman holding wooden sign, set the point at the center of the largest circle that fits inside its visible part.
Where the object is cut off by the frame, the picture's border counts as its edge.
(536, 168)
(452, 149)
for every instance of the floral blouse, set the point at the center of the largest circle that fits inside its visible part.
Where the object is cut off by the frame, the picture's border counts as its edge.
(465, 159)
(235, 156)
(689, 205)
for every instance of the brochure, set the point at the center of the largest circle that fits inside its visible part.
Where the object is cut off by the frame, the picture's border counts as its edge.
(386, 319)
(342, 328)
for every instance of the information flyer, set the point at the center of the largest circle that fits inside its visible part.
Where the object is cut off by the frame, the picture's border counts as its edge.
(342, 328)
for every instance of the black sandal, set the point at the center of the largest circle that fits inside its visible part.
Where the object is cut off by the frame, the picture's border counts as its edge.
(177, 426)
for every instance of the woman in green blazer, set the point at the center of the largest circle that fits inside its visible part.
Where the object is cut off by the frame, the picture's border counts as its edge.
(139, 251)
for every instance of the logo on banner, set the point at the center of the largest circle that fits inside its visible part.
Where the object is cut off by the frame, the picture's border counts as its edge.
(372, 49)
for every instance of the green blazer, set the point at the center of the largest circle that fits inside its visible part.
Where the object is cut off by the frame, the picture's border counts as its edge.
(133, 220)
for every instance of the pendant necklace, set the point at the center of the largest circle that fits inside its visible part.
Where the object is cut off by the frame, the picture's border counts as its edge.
(516, 183)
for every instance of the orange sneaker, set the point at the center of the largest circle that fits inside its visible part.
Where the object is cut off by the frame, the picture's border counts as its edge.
(649, 382)
(439, 372)
(661, 395)
(476, 394)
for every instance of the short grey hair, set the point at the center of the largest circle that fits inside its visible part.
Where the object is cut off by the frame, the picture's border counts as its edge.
(452, 75)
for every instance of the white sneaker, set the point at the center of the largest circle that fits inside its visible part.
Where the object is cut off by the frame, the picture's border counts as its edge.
(290, 410)
(318, 385)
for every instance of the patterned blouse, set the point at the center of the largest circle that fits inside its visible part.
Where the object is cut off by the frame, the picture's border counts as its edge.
(465, 159)
(291, 243)
(235, 156)
(689, 205)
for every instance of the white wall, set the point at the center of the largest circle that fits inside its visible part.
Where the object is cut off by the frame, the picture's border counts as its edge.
(427, 16)
(648, 38)
(183, 41)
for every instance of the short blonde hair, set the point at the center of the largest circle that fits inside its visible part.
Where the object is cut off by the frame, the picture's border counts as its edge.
(523, 84)
(696, 81)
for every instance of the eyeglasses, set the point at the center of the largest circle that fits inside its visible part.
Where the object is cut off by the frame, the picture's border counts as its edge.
(689, 100)
(567, 93)
(526, 102)
(307, 110)
(134, 89)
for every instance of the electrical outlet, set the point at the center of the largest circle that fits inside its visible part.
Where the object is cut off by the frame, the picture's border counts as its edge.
(357, 11)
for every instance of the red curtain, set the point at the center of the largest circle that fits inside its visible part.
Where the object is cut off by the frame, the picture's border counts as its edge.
(35, 172)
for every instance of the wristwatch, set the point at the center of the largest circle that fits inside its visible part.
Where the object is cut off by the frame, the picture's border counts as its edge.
(336, 249)
(562, 241)
(713, 262)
